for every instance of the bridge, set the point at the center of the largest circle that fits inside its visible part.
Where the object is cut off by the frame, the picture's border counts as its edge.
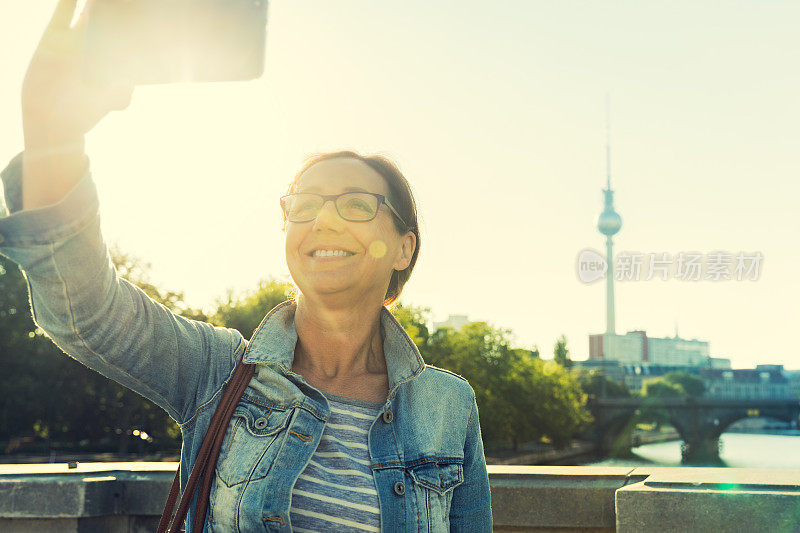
(699, 421)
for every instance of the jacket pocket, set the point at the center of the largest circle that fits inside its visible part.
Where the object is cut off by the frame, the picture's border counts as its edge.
(245, 452)
(439, 477)
(433, 485)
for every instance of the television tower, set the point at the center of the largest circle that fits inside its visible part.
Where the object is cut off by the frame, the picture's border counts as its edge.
(609, 223)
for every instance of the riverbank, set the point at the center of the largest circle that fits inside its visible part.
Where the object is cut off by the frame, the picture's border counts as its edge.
(576, 453)
(640, 438)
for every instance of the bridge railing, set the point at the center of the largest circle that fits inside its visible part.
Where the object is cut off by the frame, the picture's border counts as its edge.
(791, 402)
(117, 497)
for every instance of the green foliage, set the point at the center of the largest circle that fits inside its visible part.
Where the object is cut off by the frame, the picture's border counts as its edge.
(561, 352)
(596, 385)
(520, 397)
(671, 385)
(675, 385)
(413, 319)
(53, 397)
(137, 272)
(245, 313)
(553, 400)
(22, 348)
(689, 384)
(660, 388)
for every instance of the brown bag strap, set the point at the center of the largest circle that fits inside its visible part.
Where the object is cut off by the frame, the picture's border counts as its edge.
(206, 460)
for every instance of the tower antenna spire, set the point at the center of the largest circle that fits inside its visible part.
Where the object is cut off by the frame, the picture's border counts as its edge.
(608, 141)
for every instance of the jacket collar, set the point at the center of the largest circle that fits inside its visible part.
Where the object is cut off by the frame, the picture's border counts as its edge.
(274, 340)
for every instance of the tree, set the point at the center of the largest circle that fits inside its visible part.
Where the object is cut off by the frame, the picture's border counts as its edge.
(523, 352)
(520, 397)
(689, 384)
(56, 399)
(415, 321)
(561, 352)
(597, 385)
(551, 404)
(677, 384)
(25, 354)
(661, 388)
(655, 389)
(137, 272)
(246, 312)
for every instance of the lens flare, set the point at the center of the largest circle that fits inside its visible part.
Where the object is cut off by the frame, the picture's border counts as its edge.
(377, 249)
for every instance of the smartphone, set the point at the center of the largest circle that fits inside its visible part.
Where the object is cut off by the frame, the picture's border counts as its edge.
(143, 42)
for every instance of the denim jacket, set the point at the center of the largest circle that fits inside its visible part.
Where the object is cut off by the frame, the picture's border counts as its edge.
(425, 445)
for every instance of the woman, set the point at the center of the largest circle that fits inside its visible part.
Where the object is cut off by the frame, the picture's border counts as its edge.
(343, 426)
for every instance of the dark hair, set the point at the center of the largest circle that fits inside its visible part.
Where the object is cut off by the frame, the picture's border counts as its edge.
(400, 196)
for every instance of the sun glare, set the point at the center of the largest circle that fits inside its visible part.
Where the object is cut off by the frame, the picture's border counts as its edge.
(377, 249)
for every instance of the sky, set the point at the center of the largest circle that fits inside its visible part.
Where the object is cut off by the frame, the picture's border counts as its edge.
(496, 113)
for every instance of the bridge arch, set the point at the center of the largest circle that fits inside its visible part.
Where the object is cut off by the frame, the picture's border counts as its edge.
(730, 417)
(699, 421)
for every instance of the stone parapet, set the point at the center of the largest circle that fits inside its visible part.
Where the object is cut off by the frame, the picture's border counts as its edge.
(552, 497)
(710, 499)
(92, 497)
(129, 497)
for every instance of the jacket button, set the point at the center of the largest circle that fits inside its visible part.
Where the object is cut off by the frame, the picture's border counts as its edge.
(388, 416)
(399, 488)
(260, 423)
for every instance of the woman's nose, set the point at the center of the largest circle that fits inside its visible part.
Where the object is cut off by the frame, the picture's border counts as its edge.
(328, 217)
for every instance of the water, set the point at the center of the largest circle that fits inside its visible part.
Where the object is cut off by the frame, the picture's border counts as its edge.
(738, 450)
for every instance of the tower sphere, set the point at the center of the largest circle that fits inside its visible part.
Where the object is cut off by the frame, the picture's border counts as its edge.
(609, 222)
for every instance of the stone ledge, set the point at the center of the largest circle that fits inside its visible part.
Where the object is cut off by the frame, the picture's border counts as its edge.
(94, 524)
(710, 499)
(550, 497)
(91, 490)
(130, 497)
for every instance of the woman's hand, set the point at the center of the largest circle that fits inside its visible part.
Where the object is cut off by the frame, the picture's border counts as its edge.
(59, 107)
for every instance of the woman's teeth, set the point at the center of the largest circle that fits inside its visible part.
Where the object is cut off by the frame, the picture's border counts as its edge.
(330, 253)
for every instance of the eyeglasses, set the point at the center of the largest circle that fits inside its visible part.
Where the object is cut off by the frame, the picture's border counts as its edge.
(352, 206)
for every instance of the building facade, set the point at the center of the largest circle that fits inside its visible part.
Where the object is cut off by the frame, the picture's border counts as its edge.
(636, 347)
(453, 321)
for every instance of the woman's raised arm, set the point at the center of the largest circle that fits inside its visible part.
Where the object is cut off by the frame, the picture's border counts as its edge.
(53, 233)
(59, 107)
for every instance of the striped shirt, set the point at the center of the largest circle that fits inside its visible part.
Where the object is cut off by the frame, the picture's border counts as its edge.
(336, 491)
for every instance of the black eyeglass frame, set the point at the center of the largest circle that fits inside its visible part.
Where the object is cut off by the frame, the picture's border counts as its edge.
(334, 197)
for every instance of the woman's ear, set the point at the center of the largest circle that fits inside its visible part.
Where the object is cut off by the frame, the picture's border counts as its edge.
(408, 243)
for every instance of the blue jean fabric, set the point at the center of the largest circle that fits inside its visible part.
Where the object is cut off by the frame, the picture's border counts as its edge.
(427, 456)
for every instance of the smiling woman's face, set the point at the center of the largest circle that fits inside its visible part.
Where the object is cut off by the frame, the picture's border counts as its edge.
(372, 250)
